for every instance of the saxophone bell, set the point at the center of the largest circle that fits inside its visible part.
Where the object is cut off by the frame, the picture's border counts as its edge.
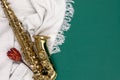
(42, 53)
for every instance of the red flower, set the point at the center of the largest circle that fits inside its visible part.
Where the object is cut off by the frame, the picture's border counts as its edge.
(14, 54)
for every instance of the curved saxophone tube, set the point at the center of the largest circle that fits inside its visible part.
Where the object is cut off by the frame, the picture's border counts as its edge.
(34, 53)
(47, 70)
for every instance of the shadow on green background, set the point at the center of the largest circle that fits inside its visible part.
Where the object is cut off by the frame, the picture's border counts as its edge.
(92, 47)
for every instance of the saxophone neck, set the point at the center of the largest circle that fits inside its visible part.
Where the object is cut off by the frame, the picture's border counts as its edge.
(8, 11)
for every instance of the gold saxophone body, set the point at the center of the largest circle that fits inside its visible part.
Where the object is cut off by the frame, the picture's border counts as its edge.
(34, 53)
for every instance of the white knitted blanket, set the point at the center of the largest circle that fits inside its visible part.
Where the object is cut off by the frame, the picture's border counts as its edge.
(44, 17)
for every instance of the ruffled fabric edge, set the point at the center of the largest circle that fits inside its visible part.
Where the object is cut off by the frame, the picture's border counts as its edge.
(65, 26)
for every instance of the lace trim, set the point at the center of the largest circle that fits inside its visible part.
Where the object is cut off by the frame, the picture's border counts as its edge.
(65, 26)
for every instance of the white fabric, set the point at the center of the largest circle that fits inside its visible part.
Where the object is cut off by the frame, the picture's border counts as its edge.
(43, 17)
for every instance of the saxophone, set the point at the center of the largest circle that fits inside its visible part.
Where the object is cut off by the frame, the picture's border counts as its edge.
(35, 53)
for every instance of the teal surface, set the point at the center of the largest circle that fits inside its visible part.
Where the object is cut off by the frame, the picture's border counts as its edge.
(92, 47)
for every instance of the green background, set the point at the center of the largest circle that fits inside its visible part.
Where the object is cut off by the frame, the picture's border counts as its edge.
(92, 47)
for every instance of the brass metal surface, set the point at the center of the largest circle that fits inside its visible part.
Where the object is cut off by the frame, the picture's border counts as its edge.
(34, 53)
